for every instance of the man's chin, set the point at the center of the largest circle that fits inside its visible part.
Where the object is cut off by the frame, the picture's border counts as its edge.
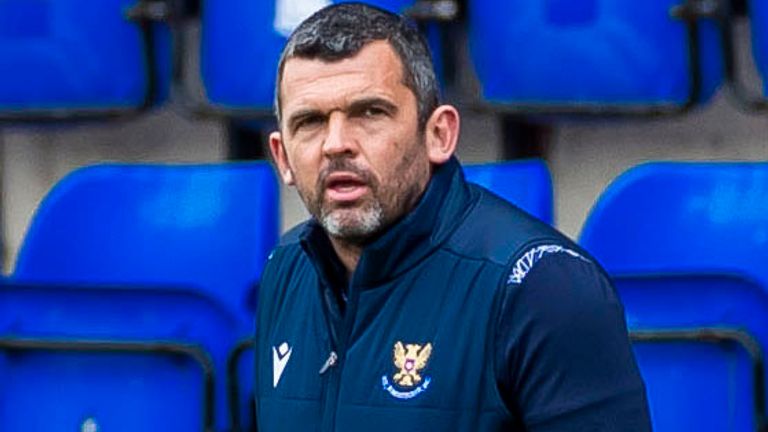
(352, 224)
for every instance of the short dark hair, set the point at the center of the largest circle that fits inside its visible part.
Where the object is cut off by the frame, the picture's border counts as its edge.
(340, 31)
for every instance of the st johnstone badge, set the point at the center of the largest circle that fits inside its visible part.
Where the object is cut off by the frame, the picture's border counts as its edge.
(407, 382)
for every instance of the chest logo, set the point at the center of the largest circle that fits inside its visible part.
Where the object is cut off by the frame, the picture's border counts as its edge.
(410, 360)
(280, 357)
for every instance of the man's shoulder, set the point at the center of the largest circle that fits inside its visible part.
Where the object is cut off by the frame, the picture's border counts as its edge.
(286, 267)
(292, 237)
(287, 253)
(498, 231)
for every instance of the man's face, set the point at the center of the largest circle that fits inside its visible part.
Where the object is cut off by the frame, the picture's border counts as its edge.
(350, 141)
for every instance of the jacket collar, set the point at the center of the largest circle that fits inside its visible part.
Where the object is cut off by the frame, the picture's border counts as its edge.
(406, 243)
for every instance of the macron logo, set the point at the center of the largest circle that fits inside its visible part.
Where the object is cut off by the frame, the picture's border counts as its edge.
(280, 357)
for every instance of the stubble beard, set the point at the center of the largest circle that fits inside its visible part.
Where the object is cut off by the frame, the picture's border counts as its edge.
(358, 223)
(353, 225)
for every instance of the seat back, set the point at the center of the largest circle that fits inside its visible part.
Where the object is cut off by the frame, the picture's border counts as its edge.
(50, 383)
(241, 45)
(694, 235)
(204, 227)
(683, 217)
(587, 52)
(699, 383)
(85, 54)
(525, 183)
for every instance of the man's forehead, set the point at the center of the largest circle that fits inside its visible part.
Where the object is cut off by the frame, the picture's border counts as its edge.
(376, 67)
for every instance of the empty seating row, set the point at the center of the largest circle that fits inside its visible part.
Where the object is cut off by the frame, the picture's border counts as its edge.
(619, 55)
(135, 284)
(84, 56)
(616, 53)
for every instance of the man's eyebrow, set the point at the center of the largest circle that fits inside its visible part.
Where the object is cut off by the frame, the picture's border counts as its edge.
(355, 106)
(300, 114)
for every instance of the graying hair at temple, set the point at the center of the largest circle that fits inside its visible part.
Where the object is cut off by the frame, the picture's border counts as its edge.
(341, 31)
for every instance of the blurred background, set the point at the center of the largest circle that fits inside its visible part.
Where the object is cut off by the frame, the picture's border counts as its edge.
(144, 123)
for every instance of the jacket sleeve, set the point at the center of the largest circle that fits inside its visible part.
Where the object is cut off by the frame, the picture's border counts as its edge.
(563, 358)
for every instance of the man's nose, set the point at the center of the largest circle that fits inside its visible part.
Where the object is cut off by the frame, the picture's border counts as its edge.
(338, 140)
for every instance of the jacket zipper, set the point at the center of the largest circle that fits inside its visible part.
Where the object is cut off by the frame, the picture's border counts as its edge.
(331, 362)
(334, 364)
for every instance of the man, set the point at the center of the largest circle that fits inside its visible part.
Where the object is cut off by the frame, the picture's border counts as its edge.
(413, 300)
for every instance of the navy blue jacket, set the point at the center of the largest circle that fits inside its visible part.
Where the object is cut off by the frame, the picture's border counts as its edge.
(468, 315)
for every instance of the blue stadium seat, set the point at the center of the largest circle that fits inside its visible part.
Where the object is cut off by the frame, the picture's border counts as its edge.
(204, 228)
(687, 244)
(526, 183)
(69, 54)
(586, 52)
(698, 379)
(207, 227)
(241, 45)
(683, 217)
(112, 358)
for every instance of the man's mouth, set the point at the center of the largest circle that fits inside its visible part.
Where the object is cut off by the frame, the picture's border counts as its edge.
(344, 187)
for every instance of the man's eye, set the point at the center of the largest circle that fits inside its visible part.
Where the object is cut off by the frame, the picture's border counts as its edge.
(308, 122)
(374, 112)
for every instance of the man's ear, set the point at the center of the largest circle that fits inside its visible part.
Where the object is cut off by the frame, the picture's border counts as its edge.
(281, 159)
(442, 134)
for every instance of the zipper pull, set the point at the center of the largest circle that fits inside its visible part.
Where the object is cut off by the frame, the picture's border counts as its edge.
(331, 362)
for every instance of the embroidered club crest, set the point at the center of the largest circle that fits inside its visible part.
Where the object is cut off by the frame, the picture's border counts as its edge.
(410, 359)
